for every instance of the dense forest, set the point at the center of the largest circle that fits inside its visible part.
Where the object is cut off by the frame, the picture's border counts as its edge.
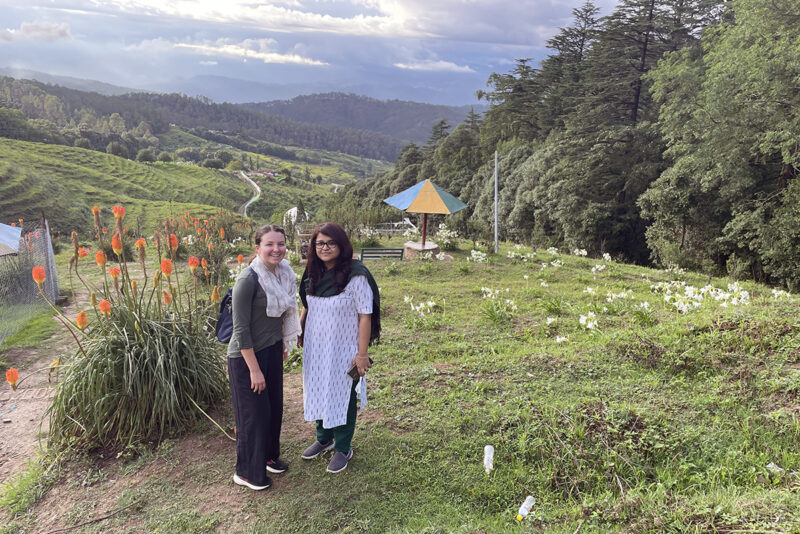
(409, 121)
(667, 132)
(35, 111)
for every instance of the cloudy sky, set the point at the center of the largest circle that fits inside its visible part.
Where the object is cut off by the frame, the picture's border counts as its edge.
(426, 50)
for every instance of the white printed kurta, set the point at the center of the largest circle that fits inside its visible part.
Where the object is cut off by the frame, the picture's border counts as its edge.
(330, 342)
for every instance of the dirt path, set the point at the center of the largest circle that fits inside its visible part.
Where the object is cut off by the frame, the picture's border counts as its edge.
(21, 411)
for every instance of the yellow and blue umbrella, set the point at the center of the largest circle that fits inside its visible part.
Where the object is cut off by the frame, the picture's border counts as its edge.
(426, 197)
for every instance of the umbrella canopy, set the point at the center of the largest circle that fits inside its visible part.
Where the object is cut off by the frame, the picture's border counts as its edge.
(426, 197)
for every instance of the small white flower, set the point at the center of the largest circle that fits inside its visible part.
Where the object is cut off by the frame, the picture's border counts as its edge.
(525, 276)
(590, 291)
(560, 339)
(544, 284)
(550, 320)
(606, 256)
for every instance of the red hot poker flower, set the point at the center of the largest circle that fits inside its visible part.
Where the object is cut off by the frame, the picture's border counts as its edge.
(114, 272)
(116, 244)
(105, 307)
(166, 267)
(193, 263)
(240, 258)
(140, 243)
(81, 320)
(100, 258)
(167, 296)
(38, 275)
(119, 212)
(173, 241)
(12, 376)
(204, 263)
(82, 252)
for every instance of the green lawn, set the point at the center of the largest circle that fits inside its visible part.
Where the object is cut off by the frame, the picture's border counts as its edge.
(652, 420)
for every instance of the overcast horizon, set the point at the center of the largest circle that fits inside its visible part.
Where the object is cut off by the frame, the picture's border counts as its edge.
(438, 53)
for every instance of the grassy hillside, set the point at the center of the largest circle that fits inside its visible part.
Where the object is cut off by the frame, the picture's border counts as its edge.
(615, 415)
(66, 182)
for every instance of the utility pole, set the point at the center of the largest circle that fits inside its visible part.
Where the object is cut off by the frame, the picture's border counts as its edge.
(495, 202)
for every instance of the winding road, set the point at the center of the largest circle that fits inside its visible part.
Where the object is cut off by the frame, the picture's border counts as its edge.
(243, 210)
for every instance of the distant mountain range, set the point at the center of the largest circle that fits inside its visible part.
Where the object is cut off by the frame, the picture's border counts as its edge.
(396, 118)
(401, 120)
(79, 84)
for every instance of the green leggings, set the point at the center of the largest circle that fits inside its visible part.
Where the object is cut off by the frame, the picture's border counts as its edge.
(342, 434)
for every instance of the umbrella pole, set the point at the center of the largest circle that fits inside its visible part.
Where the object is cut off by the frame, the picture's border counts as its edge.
(424, 227)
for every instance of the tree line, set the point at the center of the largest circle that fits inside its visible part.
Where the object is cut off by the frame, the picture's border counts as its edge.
(51, 113)
(667, 132)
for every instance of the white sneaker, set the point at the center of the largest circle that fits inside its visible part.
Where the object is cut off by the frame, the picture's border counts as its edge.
(244, 482)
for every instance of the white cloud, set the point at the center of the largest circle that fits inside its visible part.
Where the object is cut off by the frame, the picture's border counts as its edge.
(261, 49)
(433, 65)
(36, 31)
(208, 63)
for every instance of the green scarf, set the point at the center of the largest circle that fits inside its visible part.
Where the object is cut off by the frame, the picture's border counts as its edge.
(327, 288)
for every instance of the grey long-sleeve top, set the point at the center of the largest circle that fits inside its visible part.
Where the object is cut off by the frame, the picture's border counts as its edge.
(252, 329)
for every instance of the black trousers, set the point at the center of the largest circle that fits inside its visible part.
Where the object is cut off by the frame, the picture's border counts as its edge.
(258, 417)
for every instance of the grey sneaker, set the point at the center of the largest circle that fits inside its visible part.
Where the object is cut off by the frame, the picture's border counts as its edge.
(339, 461)
(316, 449)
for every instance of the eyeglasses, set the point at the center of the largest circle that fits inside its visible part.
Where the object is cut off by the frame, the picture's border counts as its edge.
(322, 244)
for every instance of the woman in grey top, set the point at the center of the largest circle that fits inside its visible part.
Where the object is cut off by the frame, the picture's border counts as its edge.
(265, 327)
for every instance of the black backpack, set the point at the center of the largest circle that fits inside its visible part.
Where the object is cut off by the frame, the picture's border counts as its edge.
(225, 317)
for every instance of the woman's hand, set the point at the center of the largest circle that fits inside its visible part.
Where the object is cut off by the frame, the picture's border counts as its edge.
(285, 352)
(257, 382)
(362, 363)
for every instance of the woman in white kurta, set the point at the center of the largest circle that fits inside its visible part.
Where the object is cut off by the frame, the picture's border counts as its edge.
(339, 297)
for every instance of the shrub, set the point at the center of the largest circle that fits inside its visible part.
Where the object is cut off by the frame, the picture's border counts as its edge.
(147, 362)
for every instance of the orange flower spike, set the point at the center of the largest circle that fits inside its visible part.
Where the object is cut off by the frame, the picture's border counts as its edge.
(210, 247)
(82, 252)
(166, 296)
(101, 259)
(166, 267)
(38, 275)
(96, 210)
(222, 233)
(114, 272)
(204, 263)
(12, 376)
(119, 212)
(93, 299)
(134, 286)
(240, 258)
(105, 307)
(173, 241)
(140, 243)
(116, 244)
(193, 263)
(215, 294)
(81, 320)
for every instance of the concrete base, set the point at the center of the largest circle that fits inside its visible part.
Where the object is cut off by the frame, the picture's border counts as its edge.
(413, 249)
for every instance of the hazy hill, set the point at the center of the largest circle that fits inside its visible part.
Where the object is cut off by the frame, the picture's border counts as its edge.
(397, 118)
(70, 82)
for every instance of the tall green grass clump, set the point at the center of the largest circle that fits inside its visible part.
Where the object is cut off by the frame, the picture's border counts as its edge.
(147, 364)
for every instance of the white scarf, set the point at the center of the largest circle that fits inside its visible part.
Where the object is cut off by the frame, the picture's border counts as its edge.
(281, 288)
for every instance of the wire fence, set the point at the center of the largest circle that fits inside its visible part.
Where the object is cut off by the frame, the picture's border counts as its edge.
(19, 294)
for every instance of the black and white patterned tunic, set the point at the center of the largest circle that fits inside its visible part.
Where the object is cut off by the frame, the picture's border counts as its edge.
(330, 342)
